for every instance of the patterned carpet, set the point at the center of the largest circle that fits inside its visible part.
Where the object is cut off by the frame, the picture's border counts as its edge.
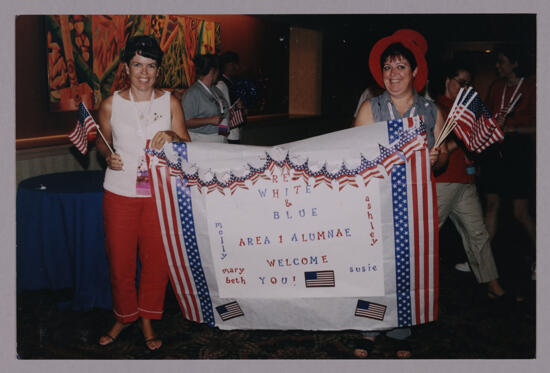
(469, 326)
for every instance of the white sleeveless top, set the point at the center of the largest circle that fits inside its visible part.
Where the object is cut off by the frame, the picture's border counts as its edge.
(130, 135)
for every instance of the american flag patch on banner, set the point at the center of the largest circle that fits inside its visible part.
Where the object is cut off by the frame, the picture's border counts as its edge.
(229, 311)
(371, 310)
(319, 279)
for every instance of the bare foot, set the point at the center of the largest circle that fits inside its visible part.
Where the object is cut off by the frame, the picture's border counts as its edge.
(403, 354)
(494, 289)
(112, 334)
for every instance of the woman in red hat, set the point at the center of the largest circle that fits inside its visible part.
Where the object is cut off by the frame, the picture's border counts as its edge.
(398, 65)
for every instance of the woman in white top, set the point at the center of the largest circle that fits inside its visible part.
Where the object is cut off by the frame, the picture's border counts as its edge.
(128, 119)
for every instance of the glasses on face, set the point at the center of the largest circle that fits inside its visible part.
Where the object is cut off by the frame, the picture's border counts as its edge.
(463, 83)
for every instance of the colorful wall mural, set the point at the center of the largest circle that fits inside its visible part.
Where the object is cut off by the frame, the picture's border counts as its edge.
(84, 53)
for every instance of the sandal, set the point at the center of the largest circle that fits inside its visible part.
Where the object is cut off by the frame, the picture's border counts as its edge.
(403, 349)
(149, 343)
(361, 348)
(109, 338)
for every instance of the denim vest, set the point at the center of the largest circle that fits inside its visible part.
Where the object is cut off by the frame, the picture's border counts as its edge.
(423, 106)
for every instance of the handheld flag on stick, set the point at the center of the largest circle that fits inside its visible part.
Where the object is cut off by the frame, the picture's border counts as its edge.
(237, 117)
(84, 125)
(471, 122)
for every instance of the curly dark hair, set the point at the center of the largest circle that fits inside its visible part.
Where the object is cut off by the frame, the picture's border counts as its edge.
(144, 45)
(398, 50)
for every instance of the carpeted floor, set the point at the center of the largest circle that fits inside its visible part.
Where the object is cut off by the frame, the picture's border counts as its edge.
(469, 326)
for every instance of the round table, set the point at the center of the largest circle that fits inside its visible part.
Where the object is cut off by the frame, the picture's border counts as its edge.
(60, 237)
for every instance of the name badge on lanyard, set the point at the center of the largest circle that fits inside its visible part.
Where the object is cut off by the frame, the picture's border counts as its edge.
(143, 185)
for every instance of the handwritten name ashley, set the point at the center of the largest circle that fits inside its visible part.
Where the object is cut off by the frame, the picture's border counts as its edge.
(323, 235)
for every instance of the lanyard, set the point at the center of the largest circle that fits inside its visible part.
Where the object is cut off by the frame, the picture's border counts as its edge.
(392, 116)
(141, 116)
(513, 94)
(213, 95)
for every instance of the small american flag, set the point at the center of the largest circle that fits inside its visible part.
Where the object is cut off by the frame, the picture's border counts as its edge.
(229, 311)
(84, 124)
(319, 279)
(475, 125)
(236, 117)
(371, 310)
(389, 158)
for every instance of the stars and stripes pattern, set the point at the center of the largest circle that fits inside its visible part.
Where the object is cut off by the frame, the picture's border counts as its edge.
(84, 125)
(236, 118)
(175, 211)
(406, 142)
(370, 310)
(415, 233)
(229, 311)
(318, 279)
(475, 125)
(414, 228)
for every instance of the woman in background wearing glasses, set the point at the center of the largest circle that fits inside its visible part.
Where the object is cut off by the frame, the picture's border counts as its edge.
(457, 196)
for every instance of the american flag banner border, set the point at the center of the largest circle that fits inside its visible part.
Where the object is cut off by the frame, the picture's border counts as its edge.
(416, 232)
(180, 241)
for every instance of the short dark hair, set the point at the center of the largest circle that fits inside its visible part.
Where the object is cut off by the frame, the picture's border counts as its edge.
(227, 58)
(205, 62)
(454, 67)
(144, 45)
(398, 50)
(519, 55)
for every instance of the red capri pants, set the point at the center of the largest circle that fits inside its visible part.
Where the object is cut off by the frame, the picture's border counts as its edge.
(131, 223)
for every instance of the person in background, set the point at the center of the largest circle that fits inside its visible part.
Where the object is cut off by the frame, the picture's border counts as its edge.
(128, 119)
(369, 92)
(398, 64)
(206, 110)
(457, 196)
(507, 169)
(229, 69)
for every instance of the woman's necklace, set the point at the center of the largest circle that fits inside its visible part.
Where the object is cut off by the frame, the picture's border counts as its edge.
(392, 116)
(140, 114)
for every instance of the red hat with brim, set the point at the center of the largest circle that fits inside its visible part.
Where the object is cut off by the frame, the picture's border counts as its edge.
(413, 41)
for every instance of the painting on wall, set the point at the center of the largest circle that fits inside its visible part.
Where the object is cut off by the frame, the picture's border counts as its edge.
(84, 53)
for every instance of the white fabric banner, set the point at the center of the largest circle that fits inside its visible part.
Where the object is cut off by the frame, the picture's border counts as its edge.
(333, 232)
